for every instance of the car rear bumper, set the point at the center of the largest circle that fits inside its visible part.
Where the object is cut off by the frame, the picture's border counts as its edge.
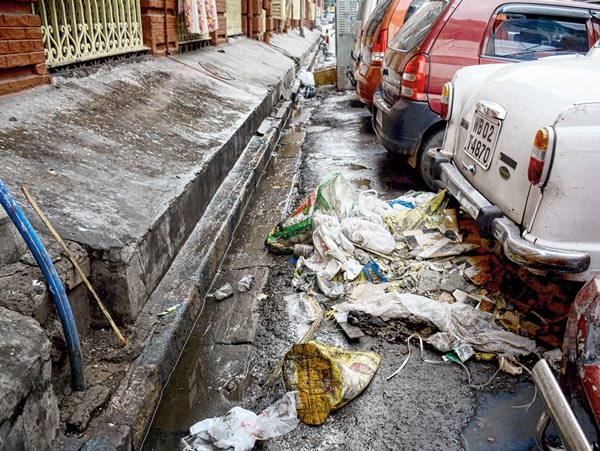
(400, 127)
(367, 84)
(493, 223)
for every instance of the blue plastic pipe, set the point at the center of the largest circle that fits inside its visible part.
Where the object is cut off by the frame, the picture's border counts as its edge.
(54, 284)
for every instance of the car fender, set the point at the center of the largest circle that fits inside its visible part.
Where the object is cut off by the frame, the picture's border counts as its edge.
(580, 370)
(473, 77)
(554, 212)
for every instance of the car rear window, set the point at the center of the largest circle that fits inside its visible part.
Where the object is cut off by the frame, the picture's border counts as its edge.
(414, 6)
(376, 17)
(522, 36)
(416, 28)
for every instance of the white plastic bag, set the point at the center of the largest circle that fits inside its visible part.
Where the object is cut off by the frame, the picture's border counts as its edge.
(369, 235)
(306, 78)
(239, 429)
(370, 207)
(331, 247)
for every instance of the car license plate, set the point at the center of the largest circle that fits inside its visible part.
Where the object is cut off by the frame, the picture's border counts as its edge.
(482, 138)
(379, 118)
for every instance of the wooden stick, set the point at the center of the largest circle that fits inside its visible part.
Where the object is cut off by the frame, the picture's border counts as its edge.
(379, 254)
(75, 264)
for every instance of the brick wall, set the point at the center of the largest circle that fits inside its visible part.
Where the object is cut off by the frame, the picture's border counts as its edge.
(22, 59)
(162, 40)
(220, 36)
(268, 7)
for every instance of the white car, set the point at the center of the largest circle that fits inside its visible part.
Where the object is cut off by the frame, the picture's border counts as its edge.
(521, 155)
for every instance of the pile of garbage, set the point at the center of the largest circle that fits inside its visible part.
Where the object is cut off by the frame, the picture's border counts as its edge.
(410, 267)
(413, 264)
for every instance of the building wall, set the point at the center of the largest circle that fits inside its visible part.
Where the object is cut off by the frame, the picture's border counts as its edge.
(22, 58)
(220, 36)
(160, 37)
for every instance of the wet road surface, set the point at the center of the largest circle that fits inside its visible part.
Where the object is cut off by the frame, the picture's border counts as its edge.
(238, 341)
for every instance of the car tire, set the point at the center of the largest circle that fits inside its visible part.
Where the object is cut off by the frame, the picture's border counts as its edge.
(435, 139)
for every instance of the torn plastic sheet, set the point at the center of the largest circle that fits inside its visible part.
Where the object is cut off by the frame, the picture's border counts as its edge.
(331, 289)
(239, 429)
(326, 378)
(303, 308)
(461, 354)
(334, 253)
(331, 248)
(457, 323)
(411, 199)
(353, 269)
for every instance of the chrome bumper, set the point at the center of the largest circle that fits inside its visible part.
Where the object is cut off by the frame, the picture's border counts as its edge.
(492, 223)
(557, 410)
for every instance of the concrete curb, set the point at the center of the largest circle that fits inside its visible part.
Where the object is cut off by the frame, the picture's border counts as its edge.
(161, 340)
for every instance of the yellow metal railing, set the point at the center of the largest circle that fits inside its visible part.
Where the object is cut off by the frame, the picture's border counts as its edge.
(295, 12)
(233, 12)
(82, 30)
(278, 8)
(184, 35)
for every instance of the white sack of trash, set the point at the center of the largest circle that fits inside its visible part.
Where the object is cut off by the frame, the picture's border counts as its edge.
(239, 429)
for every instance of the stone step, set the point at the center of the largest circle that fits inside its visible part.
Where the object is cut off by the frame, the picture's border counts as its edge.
(132, 156)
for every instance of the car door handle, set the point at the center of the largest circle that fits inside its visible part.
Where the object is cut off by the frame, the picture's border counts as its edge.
(468, 167)
(384, 71)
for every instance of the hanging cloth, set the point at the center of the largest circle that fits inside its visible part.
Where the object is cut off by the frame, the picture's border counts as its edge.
(195, 15)
(211, 14)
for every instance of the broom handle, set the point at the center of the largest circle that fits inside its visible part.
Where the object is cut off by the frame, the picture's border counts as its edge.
(75, 264)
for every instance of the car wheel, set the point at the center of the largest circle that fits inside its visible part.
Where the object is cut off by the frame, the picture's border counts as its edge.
(423, 167)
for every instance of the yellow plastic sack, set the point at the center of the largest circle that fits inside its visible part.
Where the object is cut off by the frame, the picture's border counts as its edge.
(326, 378)
(428, 215)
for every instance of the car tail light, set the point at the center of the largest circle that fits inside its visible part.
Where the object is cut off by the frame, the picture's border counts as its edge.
(446, 102)
(379, 48)
(541, 154)
(414, 78)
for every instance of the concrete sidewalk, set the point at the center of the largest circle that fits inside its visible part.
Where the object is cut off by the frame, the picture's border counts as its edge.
(146, 168)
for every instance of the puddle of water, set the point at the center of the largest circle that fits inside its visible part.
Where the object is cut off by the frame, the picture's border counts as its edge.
(500, 426)
(363, 183)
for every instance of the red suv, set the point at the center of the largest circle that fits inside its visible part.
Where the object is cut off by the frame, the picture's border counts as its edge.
(444, 35)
